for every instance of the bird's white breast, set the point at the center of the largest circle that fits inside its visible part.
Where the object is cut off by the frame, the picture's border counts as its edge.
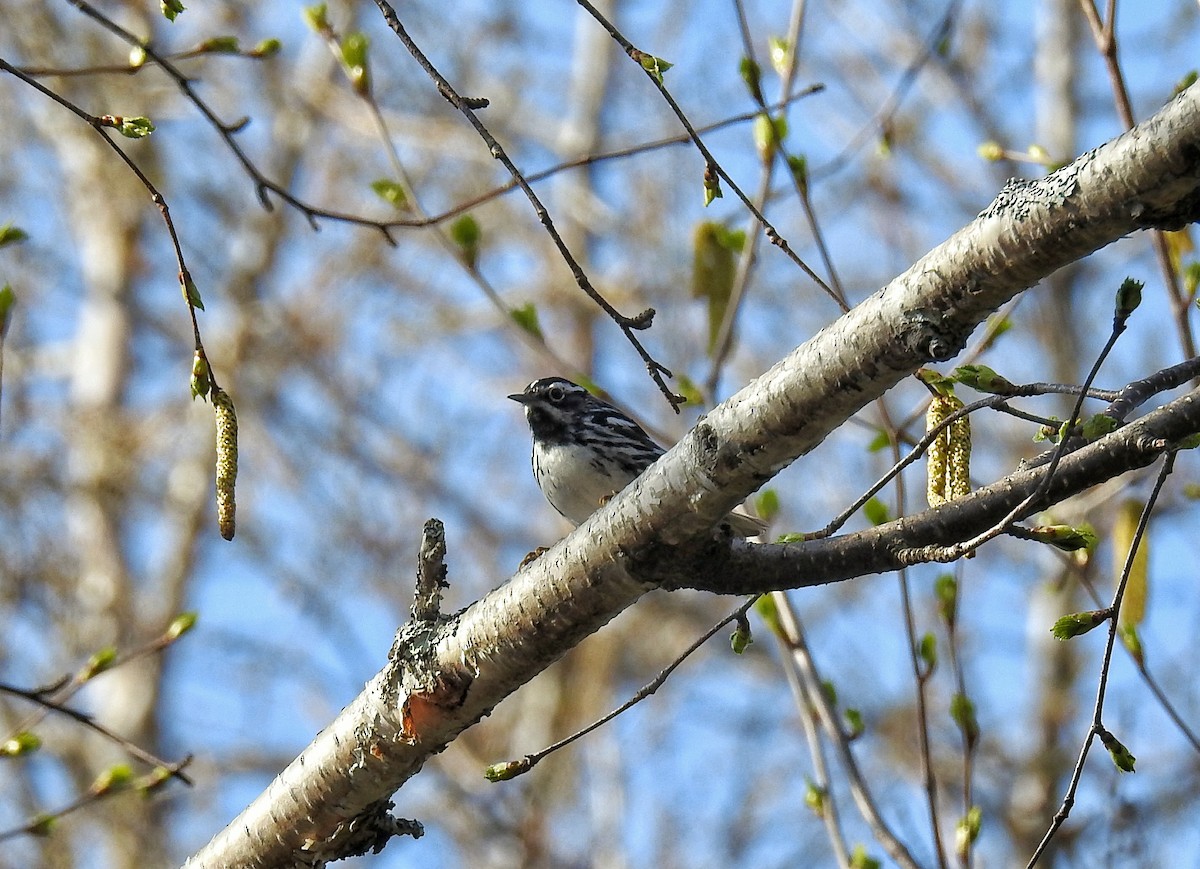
(571, 481)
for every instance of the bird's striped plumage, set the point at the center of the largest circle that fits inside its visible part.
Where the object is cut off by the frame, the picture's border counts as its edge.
(585, 450)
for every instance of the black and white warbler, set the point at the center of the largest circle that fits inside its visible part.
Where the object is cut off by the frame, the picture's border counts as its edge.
(585, 450)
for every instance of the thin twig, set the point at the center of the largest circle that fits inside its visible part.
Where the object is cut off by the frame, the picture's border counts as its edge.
(1097, 726)
(519, 767)
(627, 325)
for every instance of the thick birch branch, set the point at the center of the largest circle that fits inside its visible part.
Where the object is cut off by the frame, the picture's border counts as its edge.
(451, 673)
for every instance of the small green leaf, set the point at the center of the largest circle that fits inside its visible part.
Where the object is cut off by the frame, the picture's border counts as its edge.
(171, 9)
(1137, 586)
(966, 831)
(152, 780)
(766, 505)
(769, 134)
(792, 537)
(1191, 279)
(191, 293)
(927, 652)
(881, 441)
(798, 166)
(714, 269)
(180, 625)
(860, 859)
(938, 381)
(814, 798)
(829, 690)
(990, 151)
(962, 711)
(1097, 426)
(1129, 296)
(98, 663)
(1186, 82)
(219, 45)
(465, 233)
(854, 723)
(712, 186)
(1121, 756)
(769, 613)
(691, 393)
(10, 234)
(1077, 624)
(655, 66)
(23, 742)
(983, 379)
(1132, 642)
(266, 48)
(317, 18)
(354, 58)
(778, 49)
(945, 589)
(43, 825)
(1068, 538)
(201, 380)
(876, 511)
(526, 317)
(130, 128)
(391, 192)
(507, 770)
(1049, 432)
(1038, 154)
(115, 777)
(751, 74)
(7, 299)
(741, 638)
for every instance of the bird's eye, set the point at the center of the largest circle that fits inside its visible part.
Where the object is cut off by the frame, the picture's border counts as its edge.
(556, 394)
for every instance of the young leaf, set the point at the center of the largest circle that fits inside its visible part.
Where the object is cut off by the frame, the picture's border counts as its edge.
(962, 711)
(23, 742)
(316, 17)
(876, 511)
(1133, 604)
(655, 66)
(526, 317)
(354, 59)
(180, 625)
(465, 233)
(713, 270)
(712, 185)
(945, 589)
(982, 378)
(10, 234)
(769, 134)
(1129, 296)
(7, 299)
(1121, 756)
(391, 192)
(1068, 538)
(778, 49)
(766, 505)
(1076, 624)
(751, 74)
(741, 638)
(966, 831)
(266, 48)
(219, 45)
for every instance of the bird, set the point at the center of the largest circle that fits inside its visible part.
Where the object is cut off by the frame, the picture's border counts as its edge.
(585, 450)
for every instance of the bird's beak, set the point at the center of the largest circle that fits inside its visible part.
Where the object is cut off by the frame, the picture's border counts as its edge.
(521, 398)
